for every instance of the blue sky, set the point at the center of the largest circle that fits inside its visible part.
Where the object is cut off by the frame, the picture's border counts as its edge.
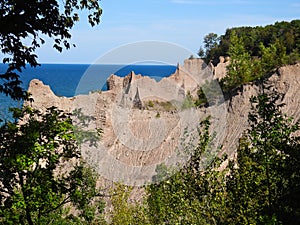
(182, 22)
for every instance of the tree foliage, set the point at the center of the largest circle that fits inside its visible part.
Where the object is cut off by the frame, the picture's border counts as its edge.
(244, 68)
(255, 52)
(287, 33)
(126, 212)
(42, 173)
(24, 25)
(211, 43)
(265, 184)
(240, 67)
(272, 57)
(191, 195)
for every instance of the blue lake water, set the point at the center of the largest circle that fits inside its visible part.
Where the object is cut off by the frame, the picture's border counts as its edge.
(64, 78)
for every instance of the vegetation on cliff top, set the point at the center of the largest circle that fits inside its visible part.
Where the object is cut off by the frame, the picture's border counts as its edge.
(286, 33)
(255, 52)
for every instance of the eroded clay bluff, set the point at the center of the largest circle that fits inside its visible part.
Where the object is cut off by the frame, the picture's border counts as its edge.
(142, 122)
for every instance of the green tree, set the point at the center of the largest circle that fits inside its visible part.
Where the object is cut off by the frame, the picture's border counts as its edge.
(23, 28)
(264, 182)
(272, 57)
(210, 41)
(192, 195)
(126, 212)
(211, 46)
(42, 172)
(287, 33)
(240, 67)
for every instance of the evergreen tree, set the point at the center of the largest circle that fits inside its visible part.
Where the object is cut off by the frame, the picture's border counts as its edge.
(240, 67)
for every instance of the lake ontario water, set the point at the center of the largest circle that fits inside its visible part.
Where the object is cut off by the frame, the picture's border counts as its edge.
(63, 79)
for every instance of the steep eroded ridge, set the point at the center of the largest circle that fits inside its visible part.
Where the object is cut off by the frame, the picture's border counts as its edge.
(142, 121)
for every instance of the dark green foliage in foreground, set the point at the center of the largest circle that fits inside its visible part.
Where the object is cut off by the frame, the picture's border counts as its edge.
(43, 179)
(126, 212)
(265, 186)
(24, 26)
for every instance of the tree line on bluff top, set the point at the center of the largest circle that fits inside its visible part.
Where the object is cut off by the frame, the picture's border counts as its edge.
(255, 52)
(286, 33)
